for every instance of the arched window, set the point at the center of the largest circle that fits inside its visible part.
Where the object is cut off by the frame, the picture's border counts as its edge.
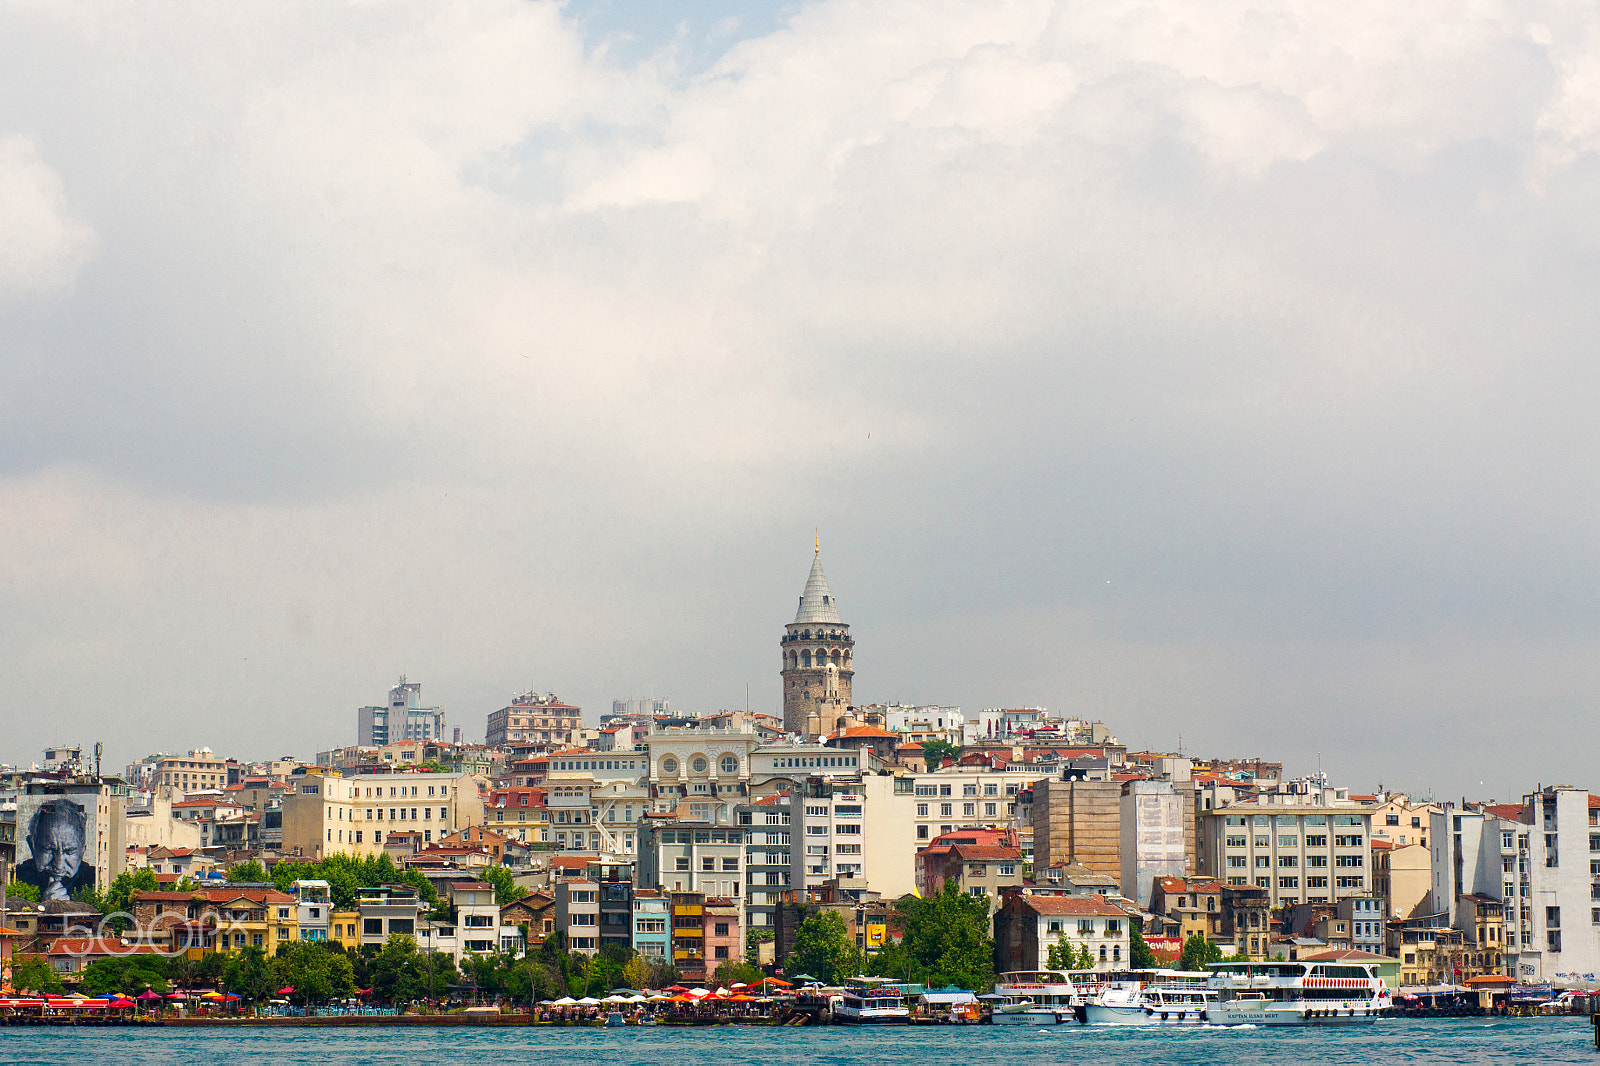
(730, 765)
(669, 765)
(805, 657)
(837, 660)
(699, 764)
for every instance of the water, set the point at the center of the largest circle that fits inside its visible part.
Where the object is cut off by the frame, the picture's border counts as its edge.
(1453, 1040)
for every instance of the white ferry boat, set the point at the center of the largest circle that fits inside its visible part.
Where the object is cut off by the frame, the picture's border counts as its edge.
(1035, 997)
(1296, 993)
(872, 1001)
(1152, 997)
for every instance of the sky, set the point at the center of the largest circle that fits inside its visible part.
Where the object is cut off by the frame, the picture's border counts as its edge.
(1226, 372)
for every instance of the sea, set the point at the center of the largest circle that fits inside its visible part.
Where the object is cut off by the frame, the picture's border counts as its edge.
(1391, 1040)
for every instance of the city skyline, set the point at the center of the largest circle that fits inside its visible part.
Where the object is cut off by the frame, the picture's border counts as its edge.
(1220, 378)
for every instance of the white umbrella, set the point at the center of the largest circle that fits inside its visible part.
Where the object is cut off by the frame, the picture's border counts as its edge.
(658, 998)
(636, 998)
(699, 992)
(566, 1001)
(723, 992)
(616, 999)
(588, 1001)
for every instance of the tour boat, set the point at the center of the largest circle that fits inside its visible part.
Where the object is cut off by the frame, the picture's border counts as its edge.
(1159, 997)
(1296, 993)
(871, 1001)
(1034, 997)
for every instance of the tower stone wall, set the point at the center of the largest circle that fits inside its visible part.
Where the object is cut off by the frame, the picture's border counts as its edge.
(818, 656)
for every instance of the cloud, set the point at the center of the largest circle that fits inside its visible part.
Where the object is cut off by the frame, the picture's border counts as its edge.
(42, 244)
(1136, 357)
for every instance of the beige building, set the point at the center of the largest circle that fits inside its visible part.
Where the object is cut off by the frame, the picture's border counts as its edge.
(1400, 823)
(1078, 822)
(198, 771)
(1307, 843)
(1402, 877)
(327, 813)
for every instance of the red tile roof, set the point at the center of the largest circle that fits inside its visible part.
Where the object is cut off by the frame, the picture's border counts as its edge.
(1083, 906)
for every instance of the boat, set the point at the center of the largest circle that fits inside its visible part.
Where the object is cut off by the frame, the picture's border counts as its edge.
(1034, 997)
(872, 1001)
(1151, 997)
(615, 1018)
(1296, 993)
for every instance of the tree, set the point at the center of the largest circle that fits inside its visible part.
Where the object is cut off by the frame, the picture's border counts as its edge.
(935, 752)
(23, 890)
(32, 973)
(734, 971)
(247, 974)
(945, 939)
(211, 966)
(181, 970)
(824, 949)
(317, 971)
(129, 974)
(757, 935)
(118, 899)
(251, 872)
(1197, 951)
(1064, 955)
(1140, 957)
(505, 885)
(636, 974)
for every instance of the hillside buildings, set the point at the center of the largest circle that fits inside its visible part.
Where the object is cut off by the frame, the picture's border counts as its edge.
(403, 718)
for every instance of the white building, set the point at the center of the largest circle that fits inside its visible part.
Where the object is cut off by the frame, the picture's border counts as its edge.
(477, 918)
(1305, 842)
(404, 718)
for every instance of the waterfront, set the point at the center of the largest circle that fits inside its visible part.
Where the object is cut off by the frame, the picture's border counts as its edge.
(1455, 1040)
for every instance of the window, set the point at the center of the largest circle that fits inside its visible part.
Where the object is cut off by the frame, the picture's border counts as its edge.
(1552, 917)
(1288, 882)
(1394, 819)
(922, 832)
(683, 862)
(1263, 861)
(1236, 861)
(1288, 862)
(1316, 841)
(1236, 842)
(708, 864)
(1318, 861)
(976, 890)
(922, 810)
(944, 810)
(1263, 842)
(1348, 861)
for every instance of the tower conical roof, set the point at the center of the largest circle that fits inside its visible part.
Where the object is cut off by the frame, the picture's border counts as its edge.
(816, 602)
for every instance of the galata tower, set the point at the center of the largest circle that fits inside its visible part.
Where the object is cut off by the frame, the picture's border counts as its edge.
(818, 659)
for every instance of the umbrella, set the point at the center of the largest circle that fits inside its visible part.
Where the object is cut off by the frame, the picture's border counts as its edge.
(232, 995)
(616, 999)
(699, 991)
(681, 999)
(122, 1003)
(588, 1001)
(741, 998)
(807, 978)
(212, 995)
(363, 991)
(148, 995)
(773, 981)
(288, 991)
(675, 988)
(566, 1001)
(178, 995)
(738, 984)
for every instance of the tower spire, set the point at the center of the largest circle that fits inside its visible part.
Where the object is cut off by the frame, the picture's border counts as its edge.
(817, 546)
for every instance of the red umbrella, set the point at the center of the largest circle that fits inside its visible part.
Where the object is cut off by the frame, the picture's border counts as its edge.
(363, 991)
(148, 995)
(286, 991)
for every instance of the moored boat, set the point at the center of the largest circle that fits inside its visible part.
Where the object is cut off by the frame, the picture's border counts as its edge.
(872, 1001)
(1296, 993)
(1151, 997)
(1034, 997)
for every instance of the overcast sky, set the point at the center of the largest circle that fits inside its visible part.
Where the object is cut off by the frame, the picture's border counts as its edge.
(1225, 371)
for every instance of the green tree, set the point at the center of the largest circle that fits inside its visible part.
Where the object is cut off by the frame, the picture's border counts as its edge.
(636, 974)
(935, 752)
(181, 971)
(33, 973)
(317, 971)
(118, 899)
(734, 971)
(211, 965)
(23, 890)
(505, 885)
(753, 939)
(945, 938)
(1140, 957)
(824, 949)
(251, 872)
(1197, 951)
(246, 973)
(128, 974)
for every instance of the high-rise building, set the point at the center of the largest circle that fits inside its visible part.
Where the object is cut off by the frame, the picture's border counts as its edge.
(542, 721)
(403, 719)
(818, 659)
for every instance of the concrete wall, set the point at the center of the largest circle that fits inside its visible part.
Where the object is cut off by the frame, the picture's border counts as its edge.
(1078, 821)
(1152, 837)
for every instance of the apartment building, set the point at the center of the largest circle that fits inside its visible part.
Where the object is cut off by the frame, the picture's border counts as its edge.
(693, 856)
(326, 813)
(650, 918)
(198, 771)
(1309, 843)
(544, 722)
(767, 863)
(578, 914)
(1027, 926)
(402, 718)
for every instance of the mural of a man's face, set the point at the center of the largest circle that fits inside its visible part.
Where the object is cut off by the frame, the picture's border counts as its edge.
(57, 845)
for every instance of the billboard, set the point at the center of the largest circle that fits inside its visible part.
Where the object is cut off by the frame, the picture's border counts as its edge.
(56, 847)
